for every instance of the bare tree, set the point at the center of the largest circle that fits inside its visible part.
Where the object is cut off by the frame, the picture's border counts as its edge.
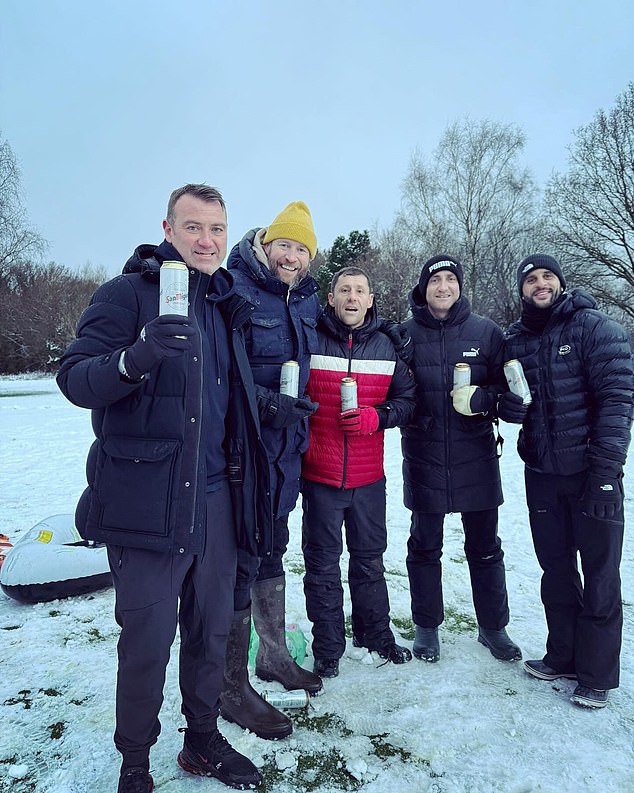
(396, 269)
(17, 241)
(591, 207)
(474, 200)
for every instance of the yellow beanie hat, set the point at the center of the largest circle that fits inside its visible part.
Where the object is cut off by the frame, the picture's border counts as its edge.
(294, 223)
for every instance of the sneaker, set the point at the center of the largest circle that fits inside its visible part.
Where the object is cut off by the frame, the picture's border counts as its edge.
(395, 654)
(218, 759)
(326, 667)
(426, 645)
(499, 644)
(544, 672)
(135, 780)
(589, 697)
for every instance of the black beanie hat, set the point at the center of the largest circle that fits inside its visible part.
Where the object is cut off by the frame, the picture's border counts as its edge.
(434, 265)
(535, 262)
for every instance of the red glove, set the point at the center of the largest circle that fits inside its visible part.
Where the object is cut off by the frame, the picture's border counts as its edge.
(359, 421)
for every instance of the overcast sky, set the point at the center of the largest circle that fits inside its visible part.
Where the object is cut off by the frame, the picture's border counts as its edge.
(109, 106)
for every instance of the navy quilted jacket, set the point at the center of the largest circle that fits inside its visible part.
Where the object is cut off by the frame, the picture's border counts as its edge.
(579, 370)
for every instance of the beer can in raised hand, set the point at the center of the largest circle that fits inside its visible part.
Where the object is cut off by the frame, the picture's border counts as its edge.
(514, 373)
(289, 379)
(461, 375)
(174, 289)
(348, 394)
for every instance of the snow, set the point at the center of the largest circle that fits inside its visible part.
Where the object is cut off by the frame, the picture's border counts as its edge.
(468, 724)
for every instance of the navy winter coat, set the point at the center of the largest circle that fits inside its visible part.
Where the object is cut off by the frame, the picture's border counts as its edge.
(579, 370)
(450, 461)
(282, 329)
(146, 470)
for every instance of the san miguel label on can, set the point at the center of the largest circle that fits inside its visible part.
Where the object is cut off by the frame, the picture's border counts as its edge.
(514, 373)
(289, 379)
(348, 394)
(461, 375)
(174, 289)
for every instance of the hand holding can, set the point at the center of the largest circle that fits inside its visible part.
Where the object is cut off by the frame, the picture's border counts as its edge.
(514, 373)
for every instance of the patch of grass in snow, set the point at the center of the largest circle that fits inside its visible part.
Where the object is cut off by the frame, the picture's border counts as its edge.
(51, 692)
(324, 723)
(405, 626)
(295, 567)
(23, 698)
(11, 627)
(95, 635)
(458, 622)
(56, 730)
(458, 559)
(383, 749)
(54, 613)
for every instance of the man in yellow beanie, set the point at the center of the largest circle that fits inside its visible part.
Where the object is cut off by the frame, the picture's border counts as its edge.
(270, 269)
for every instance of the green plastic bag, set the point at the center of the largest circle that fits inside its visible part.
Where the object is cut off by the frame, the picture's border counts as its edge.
(295, 641)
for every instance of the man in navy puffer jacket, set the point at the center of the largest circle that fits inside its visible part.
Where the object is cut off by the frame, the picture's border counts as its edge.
(574, 441)
(177, 476)
(450, 461)
(270, 270)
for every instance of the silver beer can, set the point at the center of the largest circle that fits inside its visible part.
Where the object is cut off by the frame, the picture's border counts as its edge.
(174, 289)
(289, 379)
(461, 375)
(282, 700)
(514, 373)
(348, 394)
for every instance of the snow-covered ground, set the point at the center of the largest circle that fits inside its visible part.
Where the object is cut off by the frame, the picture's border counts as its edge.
(469, 724)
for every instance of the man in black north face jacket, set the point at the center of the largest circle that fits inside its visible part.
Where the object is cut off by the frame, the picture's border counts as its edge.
(574, 441)
(176, 471)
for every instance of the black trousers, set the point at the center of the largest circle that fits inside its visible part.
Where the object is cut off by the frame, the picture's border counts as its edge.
(252, 568)
(584, 617)
(148, 588)
(362, 510)
(485, 559)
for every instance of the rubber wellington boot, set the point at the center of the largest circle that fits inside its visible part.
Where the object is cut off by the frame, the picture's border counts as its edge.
(273, 661)
(239, 701)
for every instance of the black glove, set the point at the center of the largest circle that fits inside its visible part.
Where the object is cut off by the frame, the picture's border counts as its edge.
(162, 337)
(511, 408)
(280, 410)
(603, 496)
(400, 338)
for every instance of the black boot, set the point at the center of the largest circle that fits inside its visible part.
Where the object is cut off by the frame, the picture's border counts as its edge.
(273, 661)
(426, 645)
(239, 702)
(210, 754)
(499, 644)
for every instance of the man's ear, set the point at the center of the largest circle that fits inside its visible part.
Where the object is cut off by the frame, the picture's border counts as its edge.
(331, 299)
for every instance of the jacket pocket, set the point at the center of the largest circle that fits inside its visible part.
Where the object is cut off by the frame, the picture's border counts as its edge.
(133, 484)
(269, 337)
(309, 326)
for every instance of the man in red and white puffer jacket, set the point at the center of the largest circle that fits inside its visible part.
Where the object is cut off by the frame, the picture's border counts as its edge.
(343, 481)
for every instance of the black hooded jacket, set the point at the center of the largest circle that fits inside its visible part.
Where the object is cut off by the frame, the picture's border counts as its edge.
(579, 369)
(147, 470)
(450, 461)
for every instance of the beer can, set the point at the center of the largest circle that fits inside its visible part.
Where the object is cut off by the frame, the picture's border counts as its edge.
(289, 379)
(174, 289)
(461, 375)
(282, 700)
(514, 373)
(348, 393)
